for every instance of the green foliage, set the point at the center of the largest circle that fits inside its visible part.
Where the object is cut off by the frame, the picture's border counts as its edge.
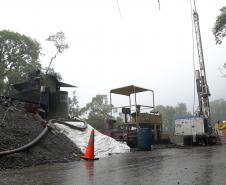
(19, 55)
(97, 110)
(218, 110)
(59, 41)
(181, 110)
(168, 117)
(169, 114)
(219, 29)
(74, 110)
(52, 72)
(222, 70)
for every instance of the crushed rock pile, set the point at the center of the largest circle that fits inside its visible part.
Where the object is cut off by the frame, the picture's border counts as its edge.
(18, 127)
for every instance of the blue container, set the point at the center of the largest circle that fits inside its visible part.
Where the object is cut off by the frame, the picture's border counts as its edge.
(144, 139)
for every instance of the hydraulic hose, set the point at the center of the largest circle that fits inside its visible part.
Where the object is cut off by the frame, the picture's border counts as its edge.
(65, 122)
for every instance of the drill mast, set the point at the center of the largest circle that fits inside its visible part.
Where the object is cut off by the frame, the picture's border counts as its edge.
(202, 87)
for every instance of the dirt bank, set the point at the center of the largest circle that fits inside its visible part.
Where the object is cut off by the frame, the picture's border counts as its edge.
(18, 127)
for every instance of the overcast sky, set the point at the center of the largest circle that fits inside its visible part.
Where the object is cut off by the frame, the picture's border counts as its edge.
(147, 47)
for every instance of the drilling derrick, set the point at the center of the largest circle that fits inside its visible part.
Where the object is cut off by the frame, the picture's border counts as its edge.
(197, 129)
(202, 87)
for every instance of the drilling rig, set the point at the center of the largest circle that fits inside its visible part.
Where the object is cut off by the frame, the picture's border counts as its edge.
(200, 74)
(198, 128)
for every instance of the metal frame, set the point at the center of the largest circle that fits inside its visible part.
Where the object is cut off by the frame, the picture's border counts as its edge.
(129, 93)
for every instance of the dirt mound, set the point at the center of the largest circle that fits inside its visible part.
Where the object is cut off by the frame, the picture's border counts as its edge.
(19, 127)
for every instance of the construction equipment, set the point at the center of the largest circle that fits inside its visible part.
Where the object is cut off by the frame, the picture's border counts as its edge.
(136, 116)
(201, 82)
(220, 128)
(198, 128)
(43, 91)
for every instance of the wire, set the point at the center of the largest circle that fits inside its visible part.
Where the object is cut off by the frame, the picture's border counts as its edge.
(193, 54)
(195, 5)
(119, 10)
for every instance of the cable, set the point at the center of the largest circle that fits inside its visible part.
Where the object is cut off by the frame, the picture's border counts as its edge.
(195, 5)
(193, 54)
(120, 13)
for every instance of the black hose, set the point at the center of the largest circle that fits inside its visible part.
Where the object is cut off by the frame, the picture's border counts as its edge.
(64, 122)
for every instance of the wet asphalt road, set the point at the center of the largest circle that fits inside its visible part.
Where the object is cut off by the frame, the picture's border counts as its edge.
(187, 166)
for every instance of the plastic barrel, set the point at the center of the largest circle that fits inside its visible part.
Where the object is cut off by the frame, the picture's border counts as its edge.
(144, 139)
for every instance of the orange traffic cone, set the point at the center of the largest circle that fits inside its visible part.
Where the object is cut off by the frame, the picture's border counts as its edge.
(89, 154)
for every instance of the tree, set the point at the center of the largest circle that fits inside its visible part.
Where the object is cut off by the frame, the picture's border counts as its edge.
(19, 55)
(218, 110)
(181, 110)
(219, 29)
(97, 110)
(169, 114)
(168, 117)
(52, 72)
(59, 41)
(74, 110)
(221, 69)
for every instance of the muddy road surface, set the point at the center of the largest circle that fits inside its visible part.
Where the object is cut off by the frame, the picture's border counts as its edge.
(172, 166)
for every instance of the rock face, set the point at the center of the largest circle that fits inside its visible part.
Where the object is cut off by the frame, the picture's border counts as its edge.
(19, 127)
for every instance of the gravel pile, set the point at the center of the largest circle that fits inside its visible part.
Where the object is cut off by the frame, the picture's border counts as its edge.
(18, 127)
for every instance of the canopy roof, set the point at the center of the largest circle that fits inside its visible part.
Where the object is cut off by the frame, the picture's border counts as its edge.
(128, 90)
(62, 84)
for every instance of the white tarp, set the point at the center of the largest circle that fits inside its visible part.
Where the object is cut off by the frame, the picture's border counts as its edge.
(104, 145)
